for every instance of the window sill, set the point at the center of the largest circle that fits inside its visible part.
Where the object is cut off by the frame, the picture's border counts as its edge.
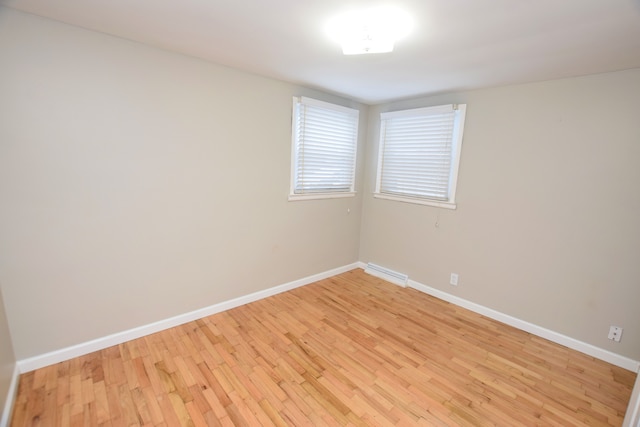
(317, 196)
(416, 201)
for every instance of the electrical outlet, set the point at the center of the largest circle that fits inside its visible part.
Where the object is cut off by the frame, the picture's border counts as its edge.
(615, 333)
(454, 279)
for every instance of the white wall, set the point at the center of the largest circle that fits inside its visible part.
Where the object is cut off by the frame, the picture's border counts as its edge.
(138, 184)
(547, 228)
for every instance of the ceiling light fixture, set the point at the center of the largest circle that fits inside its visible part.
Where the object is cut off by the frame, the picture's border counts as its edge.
(369, 31)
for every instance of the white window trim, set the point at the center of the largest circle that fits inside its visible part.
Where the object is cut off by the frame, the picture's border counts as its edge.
(293, 196)
(318, 196)
(417, 201)
(456, 150)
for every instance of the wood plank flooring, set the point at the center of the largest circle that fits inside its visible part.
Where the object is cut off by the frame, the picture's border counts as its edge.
(350, 350)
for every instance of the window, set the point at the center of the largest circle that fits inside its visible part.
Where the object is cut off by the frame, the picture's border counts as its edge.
(323, 158)
(419, 155)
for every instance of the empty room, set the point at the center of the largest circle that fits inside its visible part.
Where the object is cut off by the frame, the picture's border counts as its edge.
(322, 213)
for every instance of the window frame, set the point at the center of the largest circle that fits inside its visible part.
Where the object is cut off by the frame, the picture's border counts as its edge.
(456, 148)
(354, 114)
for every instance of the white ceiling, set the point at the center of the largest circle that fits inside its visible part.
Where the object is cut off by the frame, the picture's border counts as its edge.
(455, 44)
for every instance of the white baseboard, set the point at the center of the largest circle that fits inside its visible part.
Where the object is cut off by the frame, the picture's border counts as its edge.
(632, 417)
(32, 363)
(81, 349)
(11, 397)
(591, 350)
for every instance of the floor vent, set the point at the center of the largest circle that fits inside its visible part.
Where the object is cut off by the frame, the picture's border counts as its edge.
(386, 274)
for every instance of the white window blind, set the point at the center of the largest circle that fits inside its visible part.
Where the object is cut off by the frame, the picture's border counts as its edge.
(324, 145)
(419, 154)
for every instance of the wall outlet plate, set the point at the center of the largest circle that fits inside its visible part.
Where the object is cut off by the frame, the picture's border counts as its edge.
(615, 333)
(454, 279)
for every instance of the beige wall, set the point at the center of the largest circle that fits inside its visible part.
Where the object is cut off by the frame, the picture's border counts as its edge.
(137, 184)
(548, 222)
(7, 357)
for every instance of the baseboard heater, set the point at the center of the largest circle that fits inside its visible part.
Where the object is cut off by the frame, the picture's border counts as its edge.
(386, 274)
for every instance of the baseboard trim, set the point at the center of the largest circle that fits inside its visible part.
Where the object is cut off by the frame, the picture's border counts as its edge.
(632, 417)
(36, 362)
(589, 349)
(11, 397)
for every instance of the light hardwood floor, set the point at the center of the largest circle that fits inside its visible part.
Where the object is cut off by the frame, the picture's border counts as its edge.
(350, 350)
